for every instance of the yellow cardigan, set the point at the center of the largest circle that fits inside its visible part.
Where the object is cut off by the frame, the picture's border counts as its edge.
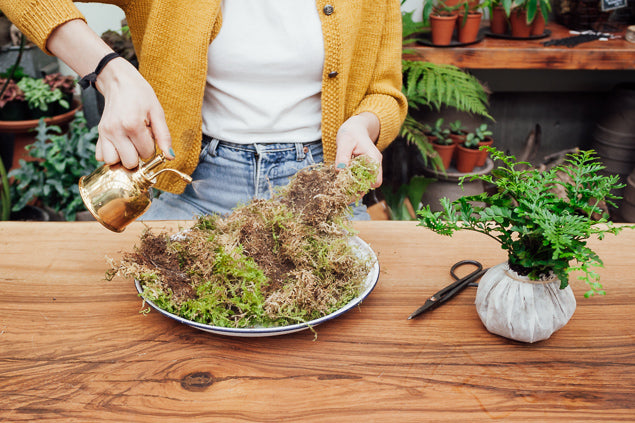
(362, 64)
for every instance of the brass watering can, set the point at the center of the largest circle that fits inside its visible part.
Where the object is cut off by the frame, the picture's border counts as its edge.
(116, 196)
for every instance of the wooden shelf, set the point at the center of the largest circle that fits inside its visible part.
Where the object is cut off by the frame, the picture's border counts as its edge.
(496, 53)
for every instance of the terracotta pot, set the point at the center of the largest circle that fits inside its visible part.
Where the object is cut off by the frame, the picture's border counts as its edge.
(538, 24)
(484, 153)
(24, 126)
(518, 23)
(442, 29)
(466, 159)
(452, 3)
(458, 138)
(518, 308)
(24, 135)
(468, 28)
(498, 21)
(445, 152)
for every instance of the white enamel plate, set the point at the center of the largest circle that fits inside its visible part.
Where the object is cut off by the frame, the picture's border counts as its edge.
(369, 284)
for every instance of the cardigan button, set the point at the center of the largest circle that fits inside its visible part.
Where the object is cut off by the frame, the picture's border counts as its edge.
(333, 74)
(328, 9)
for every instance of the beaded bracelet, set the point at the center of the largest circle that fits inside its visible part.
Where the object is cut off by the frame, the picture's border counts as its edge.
(90, 79)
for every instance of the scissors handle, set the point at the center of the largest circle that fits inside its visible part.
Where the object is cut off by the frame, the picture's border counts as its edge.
(451, 290)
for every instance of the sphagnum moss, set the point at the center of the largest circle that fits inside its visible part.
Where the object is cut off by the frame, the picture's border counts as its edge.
(269, 263)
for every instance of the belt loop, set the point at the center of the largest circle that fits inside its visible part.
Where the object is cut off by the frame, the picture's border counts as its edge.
(299, 151)
(213, 146)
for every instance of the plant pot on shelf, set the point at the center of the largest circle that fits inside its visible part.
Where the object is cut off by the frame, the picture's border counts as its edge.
(498, 21)
(469, 26)
(466, 159)
(502, 305)
(518, 23)
(445, 152)
(442, 28)
(538, 25)
(484, 153)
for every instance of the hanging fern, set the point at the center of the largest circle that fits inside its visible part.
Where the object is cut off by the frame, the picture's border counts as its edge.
(432, 85)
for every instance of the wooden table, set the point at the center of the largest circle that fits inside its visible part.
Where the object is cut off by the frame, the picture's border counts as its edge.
(75, 348)
(496, 53)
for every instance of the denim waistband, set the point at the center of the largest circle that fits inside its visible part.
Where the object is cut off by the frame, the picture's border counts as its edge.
(211, 144)
(251, 146)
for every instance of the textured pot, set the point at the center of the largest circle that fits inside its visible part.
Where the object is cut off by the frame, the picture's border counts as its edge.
(518, 308)
(442, 29)
(468, 28)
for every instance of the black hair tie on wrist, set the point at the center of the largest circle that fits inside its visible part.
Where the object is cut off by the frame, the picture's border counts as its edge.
(90, 79)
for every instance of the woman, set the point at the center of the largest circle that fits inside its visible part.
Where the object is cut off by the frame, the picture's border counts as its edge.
(239, 93)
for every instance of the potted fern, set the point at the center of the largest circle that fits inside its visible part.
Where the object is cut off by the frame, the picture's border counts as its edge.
(543, 219)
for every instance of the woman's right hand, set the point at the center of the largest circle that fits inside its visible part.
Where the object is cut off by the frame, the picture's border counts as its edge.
(132, 120)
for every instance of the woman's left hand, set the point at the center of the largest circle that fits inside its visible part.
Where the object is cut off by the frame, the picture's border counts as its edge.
(357, 137)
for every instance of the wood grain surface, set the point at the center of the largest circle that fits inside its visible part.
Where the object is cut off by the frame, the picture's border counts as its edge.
(75, 347)
(496, 53)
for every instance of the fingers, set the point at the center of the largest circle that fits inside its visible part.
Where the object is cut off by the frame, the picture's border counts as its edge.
(353, 142)
(161, 132)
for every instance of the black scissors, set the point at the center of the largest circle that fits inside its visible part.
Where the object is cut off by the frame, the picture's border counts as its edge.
(452, 289)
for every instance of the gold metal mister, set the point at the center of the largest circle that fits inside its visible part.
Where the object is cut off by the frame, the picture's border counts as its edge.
(116, 196)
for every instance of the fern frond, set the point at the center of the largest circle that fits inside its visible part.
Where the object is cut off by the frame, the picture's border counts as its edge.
(433, 85)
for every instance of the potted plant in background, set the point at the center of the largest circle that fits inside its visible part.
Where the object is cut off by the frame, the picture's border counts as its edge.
(469, 21)
(43, 101)
(13, 106)
(523, 15)
(498, 23)
(66, 85)
(57, 161)
(441, 142)
(484, 137)
(543, 219)
(458, 131)
(467, 154)
(442, 20)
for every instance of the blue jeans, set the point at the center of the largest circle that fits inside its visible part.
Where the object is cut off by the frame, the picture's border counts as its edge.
(231, 174)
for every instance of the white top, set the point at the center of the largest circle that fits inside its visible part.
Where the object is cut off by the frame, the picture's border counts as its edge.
(264, 73)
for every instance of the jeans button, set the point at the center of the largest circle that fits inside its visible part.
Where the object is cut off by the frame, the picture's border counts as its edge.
(328, 9)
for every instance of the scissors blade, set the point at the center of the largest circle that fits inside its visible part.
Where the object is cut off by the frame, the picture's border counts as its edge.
(428, 305)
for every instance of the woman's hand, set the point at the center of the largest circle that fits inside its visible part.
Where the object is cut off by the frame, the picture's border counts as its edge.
(133, 119)
(357, 137)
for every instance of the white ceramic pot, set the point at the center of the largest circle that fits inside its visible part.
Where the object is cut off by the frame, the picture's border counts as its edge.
(518, 308)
